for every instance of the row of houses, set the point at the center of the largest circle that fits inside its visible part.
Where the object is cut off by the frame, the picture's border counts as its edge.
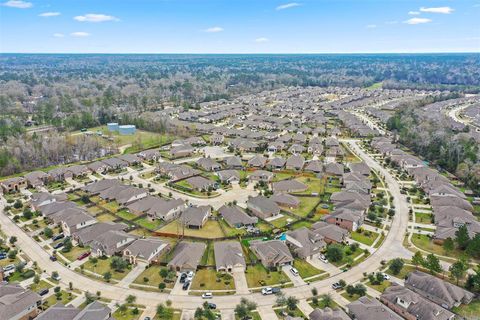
(450, 206)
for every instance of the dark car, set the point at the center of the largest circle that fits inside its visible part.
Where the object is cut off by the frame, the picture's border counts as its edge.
(186, 285)
(43, 292)
(183, 276)
(275, 290)
(212, 306)
(58, 237)
(58, 245)
(53, 258)
(3, 256)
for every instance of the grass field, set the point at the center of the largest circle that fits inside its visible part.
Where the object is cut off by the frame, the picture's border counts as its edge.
(65, 298)
(40, 286)
(314, 184)
(424, 242)
(366, 237)
(469, 311)
(282, 221)
(209, 279)
(290, 313)
(126, 215)
(208, 257)
(102, 266)
(380, 287)
(307, 204)
(106, 217)
(305, 269)
(210, 230)
(257, 276)
(148, 224)
(73, 254)
(422, 217)
(152, 273)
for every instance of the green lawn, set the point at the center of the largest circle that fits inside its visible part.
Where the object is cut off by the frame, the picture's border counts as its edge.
(346, 257)
(112, 206)
(292, 313)
(282, 221)
(210, 230)
(305, 269)
(366, 237)
(314, 184)
(380, 287)
(74, 253)
(307, 204)
(403, 273)
(209, 279)
(350, 298)
(152, 273)
(94, 210)
(229, 231)
(422, 241)
(103, 265)
(257, 276)
(148, 224)
(422, 217)
(64, 299)
(40, 286)
(127, 315)
(469, 311)
(282, 176)
(106, 217)
(208, 257)
(126, 215)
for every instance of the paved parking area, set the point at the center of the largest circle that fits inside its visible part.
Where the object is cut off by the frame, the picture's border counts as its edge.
(297, 280)
(241, 285)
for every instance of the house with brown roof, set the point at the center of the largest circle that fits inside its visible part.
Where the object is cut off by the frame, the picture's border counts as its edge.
(146, 250)
(186, 256)
(111, 243)
(37, 179)
(229, 256)
(272, 253)
(413, 306)
(437, 290)
(347, 219)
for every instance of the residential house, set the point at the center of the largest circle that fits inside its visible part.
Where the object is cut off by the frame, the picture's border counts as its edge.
(334, 169)
(331, 233)
(186, 256)
(17, 303)
(367, 308)
(181, 151)
(194, 217)
(149, 155)
(305, 243)
(413, 306)
(201, 183)
(262, 207)
(229, 176)
(328, 314)
(285, 200)
(348, 219)
(295, 162)
(276, 163)
(437, 290)
(114, 164)
(229, 256)
(257, 161)
(40, 199)
(359, 167)
(236, 217)
(146, 250)
(73, 220)
(111, 243)
(157, 208)
(93, 311)
(36, 179)
(98, 167)
(272, 253)
(314, 166)
(13, 184)
(87, 235)
(233, 162)
(261, 175)
(289, 185)
(209, 164)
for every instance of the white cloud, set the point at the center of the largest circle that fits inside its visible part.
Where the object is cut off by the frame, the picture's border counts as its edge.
(442, 10)
(371, 26)
(288, 6)
(18, 4)
(80, 34)
(49, 14)
(414, 13)
(95, 17)
(262, 40)
(214, 29)
(417, 21)
(58, 35)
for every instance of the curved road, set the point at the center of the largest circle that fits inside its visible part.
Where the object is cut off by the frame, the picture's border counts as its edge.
(391, 248)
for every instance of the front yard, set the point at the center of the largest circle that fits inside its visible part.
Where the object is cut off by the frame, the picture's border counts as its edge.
(305, 269)
(151, 276)
(366, 237)
(259, 276)
(210, 279)
(102, 265)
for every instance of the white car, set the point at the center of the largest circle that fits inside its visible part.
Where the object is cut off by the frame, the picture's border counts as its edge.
(207, 295)
(190, 275)
(323, 258)
(386, 276)
(294, 271)
(267, 291)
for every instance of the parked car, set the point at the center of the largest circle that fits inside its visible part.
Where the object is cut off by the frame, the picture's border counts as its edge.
(190, 275)
(183, 277)
(275, 290)
(43, 292)
(53, 258)
(294, 271)
(3, 255)
(323, 258)
(207, 295)
(386, 276)
(9, 267)
(336, 286)
(58, 237)
(56, 277)
(58, 245)
(186, 285)
(267, 291)
(83, 255)
(212, 306)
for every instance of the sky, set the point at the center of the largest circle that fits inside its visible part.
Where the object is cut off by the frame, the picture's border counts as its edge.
(239, 26)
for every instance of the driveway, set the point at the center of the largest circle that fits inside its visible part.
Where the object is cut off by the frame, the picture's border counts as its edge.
(296, 280)
(132, 275)
(241, 285)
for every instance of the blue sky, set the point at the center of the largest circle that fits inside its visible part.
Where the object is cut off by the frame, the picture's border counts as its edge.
(239, 26)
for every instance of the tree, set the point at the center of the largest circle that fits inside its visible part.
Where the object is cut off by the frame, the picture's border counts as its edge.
(67, 245)
(27, 214)
(473, 281)
(462, 237)
(432, 263)
(473, 247)
(396, 266)
(12, 240)
(350, 290)
(122, 308)
(198, 313)
(292, 302)
(241, 310)
(360, 289)
(18, 204)
(448, 245)
(342, 283)
(417, 259)
(327, 300)
(130, 299)
(47, 232)
(334, 252)
(36, 279)
(107, 276)
(118, 264)
(458, 269)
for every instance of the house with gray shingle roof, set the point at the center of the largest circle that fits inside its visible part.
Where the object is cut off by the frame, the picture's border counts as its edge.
(236, 217)
(209, 164)
(111, 243)
(229, 256)
(229, 176)
(93, 311)
(285, 200)
(295, 162)
(146, 250)
(187, 256)
(201, 183)
(289, 185)
(305, 243)
(257, 161)
(272, 253)
(367, 308)
(263, 207)
(233, 162)
(194, 217)
(261, 175)
(328, 314)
